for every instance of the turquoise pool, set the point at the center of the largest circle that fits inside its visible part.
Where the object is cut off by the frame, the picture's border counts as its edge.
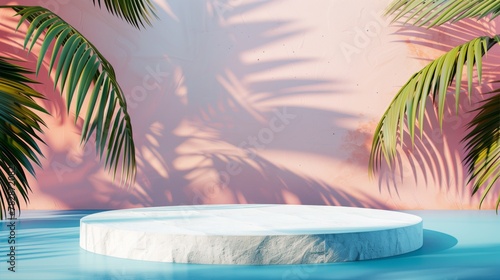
(457, 245)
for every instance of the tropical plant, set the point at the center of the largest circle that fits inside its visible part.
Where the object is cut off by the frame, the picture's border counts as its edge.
(84, 76)
(407, 109)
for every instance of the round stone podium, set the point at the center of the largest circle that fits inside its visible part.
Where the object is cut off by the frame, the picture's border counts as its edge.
(255, 234)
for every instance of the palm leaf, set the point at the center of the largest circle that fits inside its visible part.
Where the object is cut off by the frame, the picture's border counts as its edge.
(433, 13)
(82, 73)
(19, 124)
(434, 79)
(483, 141)
(410, 102)
(136, 12)
(483, 146)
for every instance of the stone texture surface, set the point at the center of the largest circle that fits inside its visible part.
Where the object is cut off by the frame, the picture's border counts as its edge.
(251, 234)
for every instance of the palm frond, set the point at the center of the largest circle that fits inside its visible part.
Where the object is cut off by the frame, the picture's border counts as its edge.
(483, 146)
(137, 12)
(19, 124)
(433, 13)
(82, 73)
(410, 102)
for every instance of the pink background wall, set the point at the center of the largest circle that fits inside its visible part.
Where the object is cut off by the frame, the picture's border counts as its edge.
(244, 101)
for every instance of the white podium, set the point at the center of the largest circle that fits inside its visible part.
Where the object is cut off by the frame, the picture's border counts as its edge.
(251, 234)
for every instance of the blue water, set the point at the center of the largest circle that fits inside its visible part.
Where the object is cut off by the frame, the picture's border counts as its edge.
(457, 245)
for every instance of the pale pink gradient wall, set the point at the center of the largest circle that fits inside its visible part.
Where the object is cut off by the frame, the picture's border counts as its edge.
(242, 101)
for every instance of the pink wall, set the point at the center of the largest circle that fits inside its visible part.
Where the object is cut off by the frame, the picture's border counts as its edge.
(243, 101)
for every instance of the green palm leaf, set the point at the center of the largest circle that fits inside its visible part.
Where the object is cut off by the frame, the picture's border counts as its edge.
(439, 12)
(82, 73)
(19, 124)
(483, 146)
(136, 12)
(408, 106)
(482, 142)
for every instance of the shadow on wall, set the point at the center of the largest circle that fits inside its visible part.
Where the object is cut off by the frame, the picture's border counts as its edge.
(437, 157)
(204, 107)
(227, 109)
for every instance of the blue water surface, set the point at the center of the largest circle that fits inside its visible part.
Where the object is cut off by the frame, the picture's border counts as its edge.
(457, 245)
